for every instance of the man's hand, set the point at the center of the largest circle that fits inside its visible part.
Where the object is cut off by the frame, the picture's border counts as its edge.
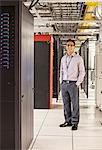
(77, 85)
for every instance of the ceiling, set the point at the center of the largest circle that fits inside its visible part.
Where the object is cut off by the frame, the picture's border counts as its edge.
(74, 19)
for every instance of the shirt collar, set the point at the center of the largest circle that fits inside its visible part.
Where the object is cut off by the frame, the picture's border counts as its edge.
(73, 54)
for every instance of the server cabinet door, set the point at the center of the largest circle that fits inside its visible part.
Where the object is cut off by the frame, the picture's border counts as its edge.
(42, 74)
(27, 79)
(8, 87)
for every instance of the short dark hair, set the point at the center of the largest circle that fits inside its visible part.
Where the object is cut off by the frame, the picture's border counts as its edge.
(70, 40)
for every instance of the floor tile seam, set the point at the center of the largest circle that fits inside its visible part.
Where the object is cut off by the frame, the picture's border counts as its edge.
(40, 128)
(72, 141)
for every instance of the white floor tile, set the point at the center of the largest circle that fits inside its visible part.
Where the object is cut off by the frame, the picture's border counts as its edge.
(88, 132)
(56, 131)
(53, 143)
(87, 143)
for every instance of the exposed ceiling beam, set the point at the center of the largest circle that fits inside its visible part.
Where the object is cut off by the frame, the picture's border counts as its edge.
(75, 34)
(43, 29)
(36, 12)
(68, 21)
(66, 38)
(42, 11)
(28, 2)
(68, 1)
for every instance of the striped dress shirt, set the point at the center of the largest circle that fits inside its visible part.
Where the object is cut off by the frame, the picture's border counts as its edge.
(72, 69)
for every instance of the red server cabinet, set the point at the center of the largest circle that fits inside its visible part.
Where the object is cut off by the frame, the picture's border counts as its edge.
(16, 75)
(43, 71)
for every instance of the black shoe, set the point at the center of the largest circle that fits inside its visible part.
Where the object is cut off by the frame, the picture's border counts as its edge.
(65, 124)
(74, 127)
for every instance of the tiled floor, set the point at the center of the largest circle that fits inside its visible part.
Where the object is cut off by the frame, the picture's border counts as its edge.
(49, 136)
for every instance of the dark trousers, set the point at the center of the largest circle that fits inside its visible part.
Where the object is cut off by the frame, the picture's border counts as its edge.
(70, 95)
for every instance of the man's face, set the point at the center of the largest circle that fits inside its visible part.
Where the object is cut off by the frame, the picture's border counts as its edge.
(70, 47)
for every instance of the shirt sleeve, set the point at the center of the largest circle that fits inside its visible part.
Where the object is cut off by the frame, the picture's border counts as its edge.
(81, 70)
(61, 72)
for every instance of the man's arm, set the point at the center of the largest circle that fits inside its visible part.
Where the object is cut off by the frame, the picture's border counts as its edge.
(81, 72)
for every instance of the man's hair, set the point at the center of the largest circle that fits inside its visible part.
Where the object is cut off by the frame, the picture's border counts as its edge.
(70, 40)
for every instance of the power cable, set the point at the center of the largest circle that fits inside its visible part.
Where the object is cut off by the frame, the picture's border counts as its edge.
(33, 4)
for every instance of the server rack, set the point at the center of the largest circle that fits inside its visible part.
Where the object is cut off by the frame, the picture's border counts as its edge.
(43, 71)
(98, 75)
(84, 50)
(16, 58)
(56, 66)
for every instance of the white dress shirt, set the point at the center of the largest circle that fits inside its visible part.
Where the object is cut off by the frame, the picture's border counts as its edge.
(72, 68)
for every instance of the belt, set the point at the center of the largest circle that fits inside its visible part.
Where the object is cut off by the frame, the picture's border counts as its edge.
(66, 81)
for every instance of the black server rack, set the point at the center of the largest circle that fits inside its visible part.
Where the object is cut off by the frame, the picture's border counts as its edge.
(42, 71)
(14, 60)
(55, 69)
(84, 52)
(60, 55)
(56, 66)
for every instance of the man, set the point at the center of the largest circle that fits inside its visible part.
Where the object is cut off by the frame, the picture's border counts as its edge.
(72, 73)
